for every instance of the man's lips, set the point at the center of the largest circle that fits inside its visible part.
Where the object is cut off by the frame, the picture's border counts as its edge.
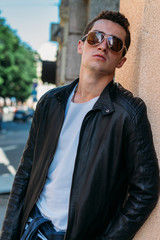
(100, 56)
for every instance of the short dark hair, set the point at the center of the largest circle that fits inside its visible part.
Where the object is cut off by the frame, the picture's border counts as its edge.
(116, 17)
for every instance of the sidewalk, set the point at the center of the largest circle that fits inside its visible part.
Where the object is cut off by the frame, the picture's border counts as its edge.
(6, 181)
(3, 205)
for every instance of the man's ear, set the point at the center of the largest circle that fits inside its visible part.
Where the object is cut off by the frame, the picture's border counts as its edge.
(80, 47)
(121, 62)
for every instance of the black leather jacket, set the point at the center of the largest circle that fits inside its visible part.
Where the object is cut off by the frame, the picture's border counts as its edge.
(116, 177)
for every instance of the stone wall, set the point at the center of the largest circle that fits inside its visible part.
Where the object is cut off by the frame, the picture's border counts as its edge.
(77, 22)
(96, 6)
(141, 75)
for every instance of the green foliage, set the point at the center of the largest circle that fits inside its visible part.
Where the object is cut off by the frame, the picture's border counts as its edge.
(17, 65)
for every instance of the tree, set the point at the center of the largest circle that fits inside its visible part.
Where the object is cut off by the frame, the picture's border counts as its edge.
(17, 65)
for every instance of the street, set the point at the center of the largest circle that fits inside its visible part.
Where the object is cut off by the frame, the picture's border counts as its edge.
(12, 141)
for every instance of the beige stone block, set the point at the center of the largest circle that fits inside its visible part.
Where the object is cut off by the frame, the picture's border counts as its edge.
(141, 71)
(133, 10)
(151, 228)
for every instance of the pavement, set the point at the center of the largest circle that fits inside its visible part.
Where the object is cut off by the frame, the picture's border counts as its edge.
(6, 181)
(3, 206)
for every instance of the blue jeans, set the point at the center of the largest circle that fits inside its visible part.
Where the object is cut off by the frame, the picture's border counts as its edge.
(39, 227)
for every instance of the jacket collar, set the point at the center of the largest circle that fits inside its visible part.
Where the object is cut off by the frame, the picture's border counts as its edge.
(104, 102)
(62, 94)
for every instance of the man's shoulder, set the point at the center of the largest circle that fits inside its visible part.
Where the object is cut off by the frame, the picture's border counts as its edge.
(50, 94)
(127, 100)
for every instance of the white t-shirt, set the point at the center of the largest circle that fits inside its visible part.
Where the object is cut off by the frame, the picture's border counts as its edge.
(54, 199)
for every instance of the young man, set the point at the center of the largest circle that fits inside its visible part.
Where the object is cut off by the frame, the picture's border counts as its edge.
(89, 169)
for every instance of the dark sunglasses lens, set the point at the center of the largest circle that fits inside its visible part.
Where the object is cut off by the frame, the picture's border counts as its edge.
(115, 44)
(94, 38)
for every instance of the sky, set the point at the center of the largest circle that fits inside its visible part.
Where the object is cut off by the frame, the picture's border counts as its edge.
(31, 19)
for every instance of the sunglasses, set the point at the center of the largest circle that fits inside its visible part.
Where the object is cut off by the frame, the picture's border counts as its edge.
(113, 43)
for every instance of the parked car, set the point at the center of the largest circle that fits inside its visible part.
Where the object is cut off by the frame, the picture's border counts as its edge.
(23, 114)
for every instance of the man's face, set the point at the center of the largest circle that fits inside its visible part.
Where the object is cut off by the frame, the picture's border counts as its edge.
(100, 58)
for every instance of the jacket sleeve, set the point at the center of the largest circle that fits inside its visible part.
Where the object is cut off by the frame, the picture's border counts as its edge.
(10, 228)
(143, 179)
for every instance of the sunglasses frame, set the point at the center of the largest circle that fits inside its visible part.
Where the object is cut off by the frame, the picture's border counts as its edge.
(105, 36)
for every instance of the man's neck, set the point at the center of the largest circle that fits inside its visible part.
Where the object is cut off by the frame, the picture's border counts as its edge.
(90, 86)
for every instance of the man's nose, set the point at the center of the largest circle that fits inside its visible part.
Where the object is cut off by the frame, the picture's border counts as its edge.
(103, 46)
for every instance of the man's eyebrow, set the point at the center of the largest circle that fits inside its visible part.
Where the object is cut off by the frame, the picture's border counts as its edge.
(103, 33)
(106, 33)
(99, 31)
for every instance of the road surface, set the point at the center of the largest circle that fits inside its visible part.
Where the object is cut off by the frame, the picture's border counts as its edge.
(12, 141)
